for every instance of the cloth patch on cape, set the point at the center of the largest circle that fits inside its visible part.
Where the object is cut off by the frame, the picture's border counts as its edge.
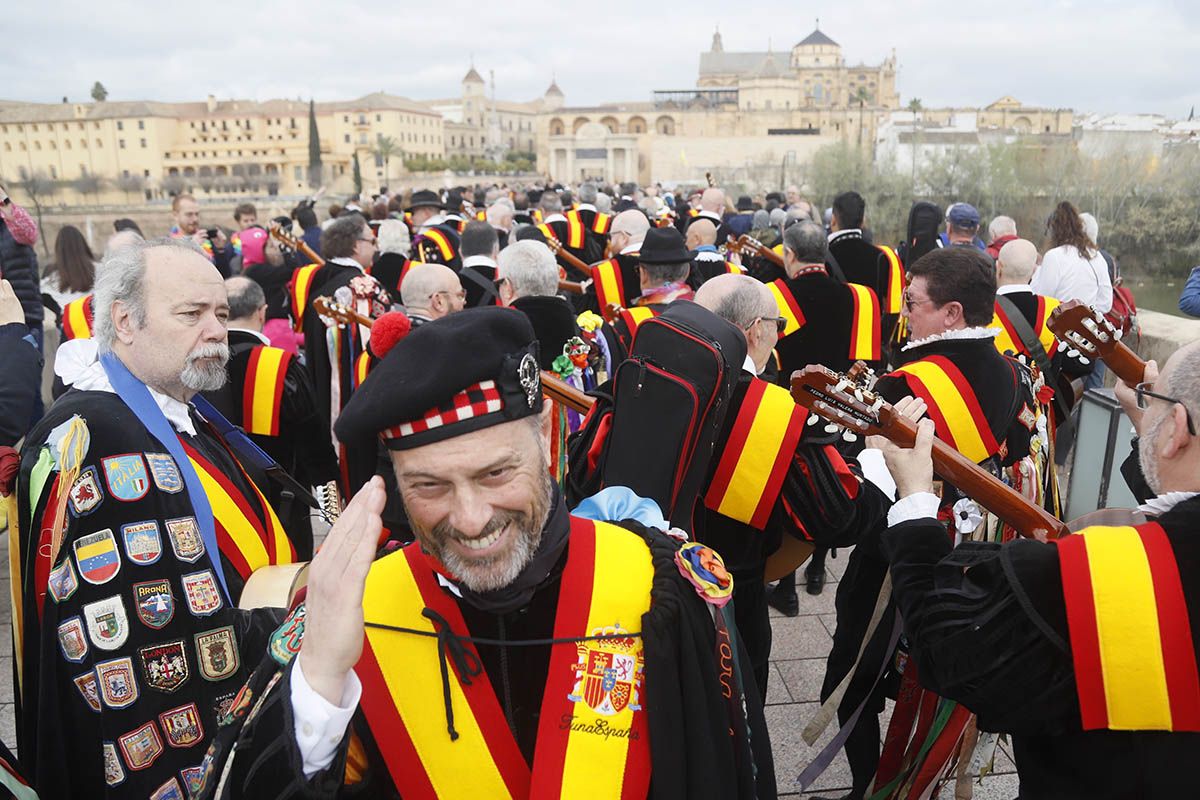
(165, 472)
(155, 603)
(62, 582)
(143, 542)
(126, 477)
(184, 534)
(87, 686)
(181, 725)
(610, 672)
(118, 687)
(114, 773)
(285, 641)
(85, 494)
(217, 653)
(164, 666)
(705, 570)
(200, 591)
(72, 640)
(107, 623)
(97, 556)
(141, 746)
(193, 779)
(170, 790)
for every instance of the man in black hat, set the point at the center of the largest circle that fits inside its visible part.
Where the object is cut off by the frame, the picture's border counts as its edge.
(424, 210)
(664, 265)
(512, 649)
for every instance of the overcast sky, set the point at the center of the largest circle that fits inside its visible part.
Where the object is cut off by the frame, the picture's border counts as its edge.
(1089, 55)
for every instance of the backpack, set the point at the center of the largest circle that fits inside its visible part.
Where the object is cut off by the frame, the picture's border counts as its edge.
(655, 423)
(1123, 314)
(924, 223)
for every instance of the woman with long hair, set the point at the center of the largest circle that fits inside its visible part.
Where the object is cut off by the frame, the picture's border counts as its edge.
(73, 271)
(1072, 268)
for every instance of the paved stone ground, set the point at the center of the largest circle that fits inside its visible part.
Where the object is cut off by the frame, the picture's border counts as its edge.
(799, 649)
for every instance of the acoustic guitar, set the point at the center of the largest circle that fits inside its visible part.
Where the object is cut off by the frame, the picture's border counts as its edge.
(1083, 328)
(294, 244)
(748, 244)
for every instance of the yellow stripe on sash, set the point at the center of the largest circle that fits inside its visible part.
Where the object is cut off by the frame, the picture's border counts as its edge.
(953, 408)
(640, 314)
(1135, 681)
(606, 284)
(240, 530)
(264, 408)
(865, 328)
(410, 667)
(620, 594)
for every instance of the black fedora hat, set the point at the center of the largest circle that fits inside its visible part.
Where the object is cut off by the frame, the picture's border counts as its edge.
(664, 246)
(424, 198)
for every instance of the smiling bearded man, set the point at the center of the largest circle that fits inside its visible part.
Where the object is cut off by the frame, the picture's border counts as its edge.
(513, 650)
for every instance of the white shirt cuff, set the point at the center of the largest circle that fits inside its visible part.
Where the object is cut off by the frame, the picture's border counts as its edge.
(921, 505)
(320, 725)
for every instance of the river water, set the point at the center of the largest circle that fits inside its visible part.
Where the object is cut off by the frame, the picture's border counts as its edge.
(1157, 293)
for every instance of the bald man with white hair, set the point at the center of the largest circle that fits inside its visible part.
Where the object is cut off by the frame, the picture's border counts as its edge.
(712, 205)
(707, 261)
(1015, 265)
(616, 281)
(746, 540)
(431, 291)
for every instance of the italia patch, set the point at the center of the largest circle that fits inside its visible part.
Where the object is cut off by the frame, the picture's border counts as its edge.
(107, 623)
(164, 666)
(155, 603)
(143, 543)
(217, 654)
(85, 493)
(97, 556)
(193, 779)
(184, 534)
(141, 746)
(126, 477)
(72, 640)
(168, 791)
(62, 582)
(165, 472)
(118, 687)
(285, 641)
(182, 725)
(114, 773)
(201, 592)
(86, 684)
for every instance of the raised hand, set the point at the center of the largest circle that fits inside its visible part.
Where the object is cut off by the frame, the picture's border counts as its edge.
(333, 626)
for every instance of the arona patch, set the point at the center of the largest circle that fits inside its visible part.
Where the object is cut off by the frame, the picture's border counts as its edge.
(62, 582)
(141, 746)
(85, 494)
(165, 472)
(164, 666)
(217, 654)
(200, 590)
(86, 684)
(155, 603)
(97, 556)
(118, 687)
(184, 534)
(182, 725)
(72, 640)
(107, 624)
(143, 543)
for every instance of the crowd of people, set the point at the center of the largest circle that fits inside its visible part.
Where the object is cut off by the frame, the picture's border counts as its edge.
(442, 375)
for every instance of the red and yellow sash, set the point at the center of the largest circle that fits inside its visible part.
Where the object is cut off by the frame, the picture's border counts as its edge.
(299, 288)
(864, 326)
(609, 283)
(750, 474)
(733, 269)
(952, 406)
(895, 281)
(77, 319)
(635, 316)
(362, 366)
(262, 394)
(243, 538)
(789, 309)
(536, 213)
(576, 231)
(444, 245)
(601, 223)
(1131, 639)
(1008, 340)
(592, 738)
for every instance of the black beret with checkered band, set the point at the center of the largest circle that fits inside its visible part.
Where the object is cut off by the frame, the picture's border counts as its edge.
(461, 373)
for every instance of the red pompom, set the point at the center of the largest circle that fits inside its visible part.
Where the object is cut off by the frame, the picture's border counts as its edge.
(387, 330)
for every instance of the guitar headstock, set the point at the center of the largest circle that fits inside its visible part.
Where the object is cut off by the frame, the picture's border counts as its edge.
(334, 310)
(747, 242)
(554, 244)
(840, 400)
(284, 238)
(1083, 328)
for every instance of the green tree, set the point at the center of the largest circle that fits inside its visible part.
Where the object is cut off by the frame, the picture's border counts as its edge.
(385, 148)
(99, 93)
(916, 108)
(358, 184)
(314, 148)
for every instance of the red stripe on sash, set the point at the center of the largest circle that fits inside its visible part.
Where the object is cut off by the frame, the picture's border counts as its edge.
(737, 440)
(1085, 638)
(391, 737)
(480, 696)
(1009, 329)
(1179, 654)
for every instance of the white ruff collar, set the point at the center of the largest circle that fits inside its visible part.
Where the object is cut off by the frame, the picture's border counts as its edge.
(1157, 506)
(958, 333)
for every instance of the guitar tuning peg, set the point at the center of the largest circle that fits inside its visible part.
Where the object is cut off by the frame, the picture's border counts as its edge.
(1117, 334)
(858, 395)
(1073, 353)
(831, 428)
(1083, 360)
(813, 419)
(849, 437)
(1062, 346)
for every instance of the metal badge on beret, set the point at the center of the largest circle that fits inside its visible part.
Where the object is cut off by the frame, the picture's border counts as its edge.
(530, 378)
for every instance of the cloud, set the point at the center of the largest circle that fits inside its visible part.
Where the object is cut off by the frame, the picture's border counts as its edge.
(1090, 56)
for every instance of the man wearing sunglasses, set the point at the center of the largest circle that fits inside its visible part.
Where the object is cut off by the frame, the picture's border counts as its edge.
(796, 485)
(1085, 649)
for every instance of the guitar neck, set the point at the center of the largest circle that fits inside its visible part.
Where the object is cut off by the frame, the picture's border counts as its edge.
(974, 481)
(571, 260)
(573, 287)
(313, 258)
(1125, 364)
(562, 392)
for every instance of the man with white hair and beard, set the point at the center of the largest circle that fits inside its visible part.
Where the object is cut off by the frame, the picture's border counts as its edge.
(513, 650)
(137, 530)
(1084, 650)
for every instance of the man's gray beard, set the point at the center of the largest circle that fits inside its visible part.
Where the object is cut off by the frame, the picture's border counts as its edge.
(1146, 456)
(204, 376)
(487, 575)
